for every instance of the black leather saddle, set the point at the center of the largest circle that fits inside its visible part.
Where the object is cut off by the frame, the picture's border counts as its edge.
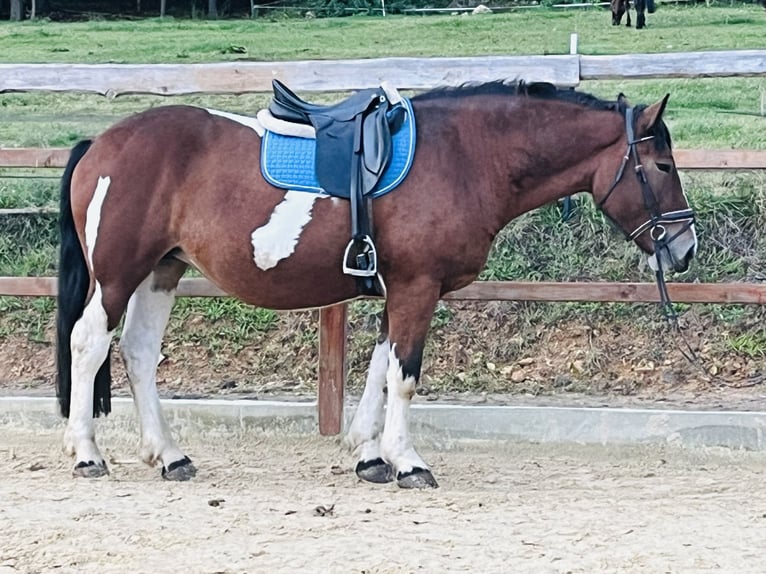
(353, 148)
(339, 137)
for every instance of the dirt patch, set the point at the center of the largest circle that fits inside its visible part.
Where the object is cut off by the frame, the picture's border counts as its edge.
(475, 352)
(279, 504)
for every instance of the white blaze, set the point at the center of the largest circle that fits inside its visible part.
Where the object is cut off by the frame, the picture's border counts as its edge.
(277, 239)
(93, 215)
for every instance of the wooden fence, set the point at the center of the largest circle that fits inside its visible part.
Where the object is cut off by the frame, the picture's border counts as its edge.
(405, 73)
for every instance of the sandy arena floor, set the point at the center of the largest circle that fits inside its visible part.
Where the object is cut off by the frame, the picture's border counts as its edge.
(293, 504)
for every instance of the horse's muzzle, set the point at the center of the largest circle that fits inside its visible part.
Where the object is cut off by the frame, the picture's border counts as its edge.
(681, 265)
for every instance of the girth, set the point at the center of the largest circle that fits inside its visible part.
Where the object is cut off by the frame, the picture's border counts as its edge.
(353, 148)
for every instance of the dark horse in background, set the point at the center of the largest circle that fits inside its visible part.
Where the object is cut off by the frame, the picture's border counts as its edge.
(620, 7)
(180, 186)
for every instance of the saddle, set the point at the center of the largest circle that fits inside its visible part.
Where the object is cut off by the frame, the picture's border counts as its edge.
(353, 148)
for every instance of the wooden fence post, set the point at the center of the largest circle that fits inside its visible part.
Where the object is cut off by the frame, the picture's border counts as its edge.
(332, 368)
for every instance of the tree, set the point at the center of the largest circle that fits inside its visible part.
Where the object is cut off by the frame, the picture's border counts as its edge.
(212, 9)
(17, 10)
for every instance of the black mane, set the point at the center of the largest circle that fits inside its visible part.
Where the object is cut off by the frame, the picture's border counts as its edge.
(543, 91)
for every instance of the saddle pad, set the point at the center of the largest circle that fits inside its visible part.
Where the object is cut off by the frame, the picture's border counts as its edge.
(288, 161)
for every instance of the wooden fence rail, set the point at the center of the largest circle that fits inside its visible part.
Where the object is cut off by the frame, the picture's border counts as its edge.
(343, 75)
(405, 73)
(697, 159)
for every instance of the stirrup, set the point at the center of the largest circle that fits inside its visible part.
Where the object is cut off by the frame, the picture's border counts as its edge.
(366, 258)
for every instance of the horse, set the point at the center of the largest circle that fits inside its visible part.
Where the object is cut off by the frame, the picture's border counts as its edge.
(620, 7)
(179, 186)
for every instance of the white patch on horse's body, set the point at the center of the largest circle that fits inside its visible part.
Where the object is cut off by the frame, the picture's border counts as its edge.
(277, 239)
(89, 345)
(93, 215)
(145, 322)
(396, 444)
(248, 121)
(365, 430)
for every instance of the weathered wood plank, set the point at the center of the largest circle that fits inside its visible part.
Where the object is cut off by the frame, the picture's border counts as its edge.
(306, 75)
(685, 158)
(720, 159)
(33, 157)
(343, 75)
(332, 368)
(745, 293)
(722, 63)
(749, 293)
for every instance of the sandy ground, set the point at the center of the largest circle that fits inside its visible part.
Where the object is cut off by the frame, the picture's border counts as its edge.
(292, 504)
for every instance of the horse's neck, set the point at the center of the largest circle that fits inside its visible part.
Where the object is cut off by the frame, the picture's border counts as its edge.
(550, 155)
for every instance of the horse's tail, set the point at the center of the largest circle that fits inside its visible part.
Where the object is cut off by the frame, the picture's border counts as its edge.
(73, 286)
(651, 7)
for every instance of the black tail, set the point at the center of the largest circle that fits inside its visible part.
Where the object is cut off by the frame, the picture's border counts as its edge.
(74, 282)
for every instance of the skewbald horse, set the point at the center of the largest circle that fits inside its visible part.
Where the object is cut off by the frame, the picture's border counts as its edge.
(180, 186)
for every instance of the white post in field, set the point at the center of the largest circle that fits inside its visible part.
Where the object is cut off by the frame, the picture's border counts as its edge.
(573, 43)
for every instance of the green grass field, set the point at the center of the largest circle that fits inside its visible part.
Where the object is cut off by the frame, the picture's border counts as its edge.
(703, 113)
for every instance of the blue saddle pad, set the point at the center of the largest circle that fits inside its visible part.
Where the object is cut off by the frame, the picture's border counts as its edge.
(288, 161)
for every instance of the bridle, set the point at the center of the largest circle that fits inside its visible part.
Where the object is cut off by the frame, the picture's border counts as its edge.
(655, 225)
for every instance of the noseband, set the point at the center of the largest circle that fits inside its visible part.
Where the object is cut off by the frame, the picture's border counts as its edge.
(657, 219)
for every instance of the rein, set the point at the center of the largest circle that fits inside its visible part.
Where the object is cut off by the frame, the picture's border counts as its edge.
(655, 225)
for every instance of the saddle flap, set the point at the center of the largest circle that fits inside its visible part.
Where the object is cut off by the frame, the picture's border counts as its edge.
(376, 147)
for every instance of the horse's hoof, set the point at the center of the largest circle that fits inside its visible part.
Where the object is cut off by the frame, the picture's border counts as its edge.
(376, 470)
(180, 470)
(90, 469)
(416, 478)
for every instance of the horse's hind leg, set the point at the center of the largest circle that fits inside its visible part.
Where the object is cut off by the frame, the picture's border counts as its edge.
(90, 340)
(145, 322)
(364, 434)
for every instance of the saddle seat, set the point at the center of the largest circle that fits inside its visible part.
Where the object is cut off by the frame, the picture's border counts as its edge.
(288, 106)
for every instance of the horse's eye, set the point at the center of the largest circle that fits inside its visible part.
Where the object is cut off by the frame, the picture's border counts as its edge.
(666, 167)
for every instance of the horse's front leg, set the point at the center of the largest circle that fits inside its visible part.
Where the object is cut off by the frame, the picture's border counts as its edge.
(364, 433)
(409, 313)
(148, 312)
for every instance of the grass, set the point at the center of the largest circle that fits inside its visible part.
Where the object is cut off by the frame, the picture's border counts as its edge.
(703, 113)
(543, 31)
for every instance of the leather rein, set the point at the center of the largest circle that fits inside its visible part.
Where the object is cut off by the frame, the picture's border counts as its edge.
(655, 225)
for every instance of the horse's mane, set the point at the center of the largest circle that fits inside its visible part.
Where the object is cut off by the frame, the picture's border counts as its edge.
(543, 91)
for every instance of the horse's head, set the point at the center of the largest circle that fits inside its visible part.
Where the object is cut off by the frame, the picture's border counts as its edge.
(643, 195)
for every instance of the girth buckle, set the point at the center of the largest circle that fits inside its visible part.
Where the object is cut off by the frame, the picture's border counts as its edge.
(361, 257)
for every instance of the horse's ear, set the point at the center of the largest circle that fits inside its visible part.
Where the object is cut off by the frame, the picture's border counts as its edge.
(653, 113)
(622, 100)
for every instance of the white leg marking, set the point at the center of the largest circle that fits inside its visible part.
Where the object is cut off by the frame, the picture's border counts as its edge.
(251, 123)
(93, 215)
(364, 433)
(145, 322)
(277, 239)
(396, 445)
(90, 345)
